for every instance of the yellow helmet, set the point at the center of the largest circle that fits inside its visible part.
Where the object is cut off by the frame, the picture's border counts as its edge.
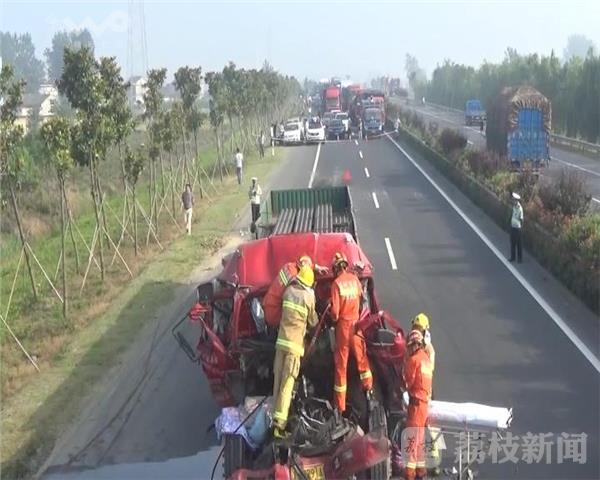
(306, 276)
(304, 260)
(421, 321)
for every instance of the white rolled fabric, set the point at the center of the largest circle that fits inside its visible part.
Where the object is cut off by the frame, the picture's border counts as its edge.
(471, 415)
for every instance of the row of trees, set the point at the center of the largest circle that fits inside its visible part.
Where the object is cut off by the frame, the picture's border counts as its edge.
(18, 51)
(573, 86)
(242, 102)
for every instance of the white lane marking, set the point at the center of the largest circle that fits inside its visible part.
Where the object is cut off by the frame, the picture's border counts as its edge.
(583, 169)
(594, 199)
(469, 142)
(356, 142)
(314, 169)
(375, 201)
(360, 154)
(367, 172)
(587, 353)
(388, 245)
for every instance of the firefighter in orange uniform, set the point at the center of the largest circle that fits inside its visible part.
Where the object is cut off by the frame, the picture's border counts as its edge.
(418, 377)
(346, 294)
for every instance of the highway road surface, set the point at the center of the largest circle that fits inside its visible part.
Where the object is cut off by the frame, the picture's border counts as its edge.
(587, 165)
(505, 335)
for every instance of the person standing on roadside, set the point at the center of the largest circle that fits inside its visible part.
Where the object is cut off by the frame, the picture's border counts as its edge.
(516, 223)
(239, 161)
(254, 194)
(187, 203)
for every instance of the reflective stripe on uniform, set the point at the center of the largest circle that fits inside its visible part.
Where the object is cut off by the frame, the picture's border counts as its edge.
(411, 465)
(366, 374)
(348, 289)
(295, 306)
(283, 277)
(340, 388)
(277, 415)
(290, 346)
(426, 370)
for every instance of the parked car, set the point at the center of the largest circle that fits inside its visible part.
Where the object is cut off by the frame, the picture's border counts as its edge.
(315, 131)
(292, 133)
(336, 130)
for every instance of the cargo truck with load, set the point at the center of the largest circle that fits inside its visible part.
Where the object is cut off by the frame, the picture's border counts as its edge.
(518, 126)
(474, 112)
(235, 348)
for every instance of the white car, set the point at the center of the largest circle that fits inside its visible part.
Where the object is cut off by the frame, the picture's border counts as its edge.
(292, 133)
(343, 116)
(315, 131)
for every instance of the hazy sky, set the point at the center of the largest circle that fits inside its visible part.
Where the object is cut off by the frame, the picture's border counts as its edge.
(309, 38)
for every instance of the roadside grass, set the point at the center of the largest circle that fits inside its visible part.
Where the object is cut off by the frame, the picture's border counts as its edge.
(74, 355)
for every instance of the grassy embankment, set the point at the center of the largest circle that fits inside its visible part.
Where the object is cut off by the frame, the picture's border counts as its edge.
(74, 354)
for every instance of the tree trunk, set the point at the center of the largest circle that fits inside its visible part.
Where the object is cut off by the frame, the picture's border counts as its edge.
(97, 214)
(155, 187)
(23, 242)
(185, 157)
(172, 182)
(101, 201)
(219, 154)
(162, 175)
(62, 239)
(196, 159)
(71, 234)
(135, 223)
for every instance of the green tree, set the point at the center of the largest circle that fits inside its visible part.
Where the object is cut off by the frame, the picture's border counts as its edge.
(84, 83)
(153, 103)
(56, 133)
(11, 136)
(134, 164)
(72, 40)
(19, 51)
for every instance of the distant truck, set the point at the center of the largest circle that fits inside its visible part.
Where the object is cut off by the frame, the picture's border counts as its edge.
(518, 125)
(474, 112)
(332, 98)
(348, 95)
(372, 120)
(366, 98)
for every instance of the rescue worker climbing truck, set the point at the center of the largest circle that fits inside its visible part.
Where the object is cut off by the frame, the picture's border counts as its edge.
(298, 313)
(418, 376)
(346, 295)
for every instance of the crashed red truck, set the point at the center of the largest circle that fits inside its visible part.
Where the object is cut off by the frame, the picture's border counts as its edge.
(235, 349)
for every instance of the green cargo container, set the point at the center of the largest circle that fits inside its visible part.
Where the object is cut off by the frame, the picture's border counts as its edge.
(321, 210)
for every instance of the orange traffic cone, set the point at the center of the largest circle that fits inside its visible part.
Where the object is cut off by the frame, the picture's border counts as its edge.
(347, 177)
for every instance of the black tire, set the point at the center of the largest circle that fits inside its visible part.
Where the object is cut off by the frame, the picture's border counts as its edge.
(378, 422)
(235, 454)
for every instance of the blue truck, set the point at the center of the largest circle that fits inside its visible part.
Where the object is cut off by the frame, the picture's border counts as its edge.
(474, 112)
(519, 124)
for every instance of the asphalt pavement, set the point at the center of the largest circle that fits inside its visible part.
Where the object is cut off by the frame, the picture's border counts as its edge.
(504, 335)
(587, 165)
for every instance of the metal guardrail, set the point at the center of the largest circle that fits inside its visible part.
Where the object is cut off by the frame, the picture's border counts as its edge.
(575, 144)
(555, 138)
